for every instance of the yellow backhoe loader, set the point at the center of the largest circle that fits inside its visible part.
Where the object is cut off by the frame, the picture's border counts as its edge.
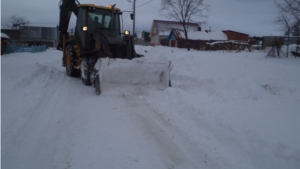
(98, 35)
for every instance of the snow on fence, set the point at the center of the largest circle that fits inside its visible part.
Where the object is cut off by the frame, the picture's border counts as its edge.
(32, 49)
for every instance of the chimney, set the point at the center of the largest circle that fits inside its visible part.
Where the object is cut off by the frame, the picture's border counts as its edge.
(199, 28)
(207, 31)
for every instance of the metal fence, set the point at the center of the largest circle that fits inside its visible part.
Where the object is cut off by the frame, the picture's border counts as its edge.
(32, 49)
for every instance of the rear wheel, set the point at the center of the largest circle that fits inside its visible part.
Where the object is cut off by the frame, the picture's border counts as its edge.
(70, 59)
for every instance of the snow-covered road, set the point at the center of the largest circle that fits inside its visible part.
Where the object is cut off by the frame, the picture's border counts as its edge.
(225, 110)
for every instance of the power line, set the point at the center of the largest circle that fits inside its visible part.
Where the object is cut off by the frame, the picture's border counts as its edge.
(144, 3)
(148, 4)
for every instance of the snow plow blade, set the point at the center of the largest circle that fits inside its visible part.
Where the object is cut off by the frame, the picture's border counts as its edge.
(137, 72)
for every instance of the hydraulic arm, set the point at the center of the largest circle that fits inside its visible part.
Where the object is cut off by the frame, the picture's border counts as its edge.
(66, 9)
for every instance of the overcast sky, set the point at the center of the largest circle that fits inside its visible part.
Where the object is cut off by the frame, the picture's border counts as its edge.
(253, 17)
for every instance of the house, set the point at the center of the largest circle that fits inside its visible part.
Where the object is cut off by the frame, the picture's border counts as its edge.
(142, 38)
(4, 42)
(161, 29)
(40, 34)
(32, 34)
(13, 34)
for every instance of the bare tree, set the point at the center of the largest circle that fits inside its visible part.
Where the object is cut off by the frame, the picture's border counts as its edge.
(295, 29)
(184, 11)
(286, 25)
(17, 21)
(291, 8)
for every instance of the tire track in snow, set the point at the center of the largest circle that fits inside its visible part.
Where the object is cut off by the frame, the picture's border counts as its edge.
(158, 132)
(29, 137)
(173, 145)
(46, 127)
(61, 126)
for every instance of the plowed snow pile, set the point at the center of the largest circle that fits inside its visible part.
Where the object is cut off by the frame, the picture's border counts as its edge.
(140, 71)
(226, 110)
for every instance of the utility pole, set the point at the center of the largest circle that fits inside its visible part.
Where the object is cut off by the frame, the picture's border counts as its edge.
(133, 19)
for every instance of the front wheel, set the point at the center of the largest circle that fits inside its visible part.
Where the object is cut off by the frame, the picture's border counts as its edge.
(87, 65)
(70, 58)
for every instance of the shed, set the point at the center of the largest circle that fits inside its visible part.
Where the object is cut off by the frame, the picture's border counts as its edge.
(40, 34)
(236, 36)
(4, 42)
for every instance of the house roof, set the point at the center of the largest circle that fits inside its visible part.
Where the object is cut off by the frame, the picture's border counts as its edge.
(40, 25)
(233, 31)
(217, 35)
(193, 35)
(164, 27)
(3, 35)
(200, 35)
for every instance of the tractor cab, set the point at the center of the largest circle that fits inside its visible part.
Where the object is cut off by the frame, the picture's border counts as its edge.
(91, 19)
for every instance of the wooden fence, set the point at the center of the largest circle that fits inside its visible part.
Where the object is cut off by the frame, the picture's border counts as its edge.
(194, 44)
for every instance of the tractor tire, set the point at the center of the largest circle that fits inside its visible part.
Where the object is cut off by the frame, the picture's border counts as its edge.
(87, 66)
(70, 62)
(85, 72)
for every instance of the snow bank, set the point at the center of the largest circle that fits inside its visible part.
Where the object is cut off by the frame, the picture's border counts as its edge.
(3, 35)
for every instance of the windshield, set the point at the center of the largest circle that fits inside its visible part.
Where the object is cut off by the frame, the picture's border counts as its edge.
(102, 19)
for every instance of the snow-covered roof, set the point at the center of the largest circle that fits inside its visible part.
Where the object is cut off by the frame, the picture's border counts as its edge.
(193, 35)
(3, 35)
(164, 27)
(227, 41)
(164, 33)
(41, 25)
(197, 35)
(217, 35)
(139, 34)
(200, 35)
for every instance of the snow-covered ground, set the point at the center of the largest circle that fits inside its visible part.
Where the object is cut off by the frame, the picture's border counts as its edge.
(226, 110)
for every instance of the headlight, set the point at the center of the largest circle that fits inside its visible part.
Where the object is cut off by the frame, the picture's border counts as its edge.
(84, 28)
(127, 32)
